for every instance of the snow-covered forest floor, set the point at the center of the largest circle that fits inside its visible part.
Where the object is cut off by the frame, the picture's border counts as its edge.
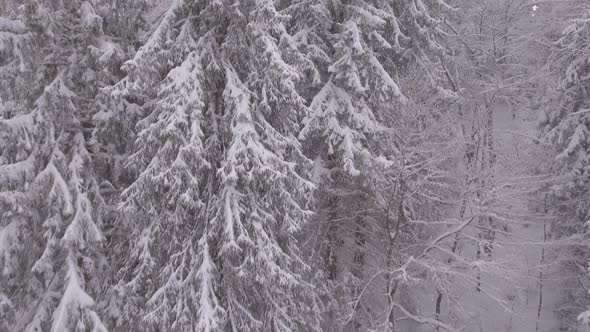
(516, 303)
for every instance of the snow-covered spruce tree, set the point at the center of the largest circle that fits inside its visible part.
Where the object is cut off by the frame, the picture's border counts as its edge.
(221, 186)
(51, 217)
(358, 49)
(406, 210)
(123, 24)
(566, 131)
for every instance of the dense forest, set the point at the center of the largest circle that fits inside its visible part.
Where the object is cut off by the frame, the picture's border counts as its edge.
(294, 165)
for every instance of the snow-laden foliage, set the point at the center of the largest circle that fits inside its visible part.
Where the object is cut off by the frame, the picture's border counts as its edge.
(54, 60)
(566, 129)
(566, 124)
(212, 241)
(358, 50)
(365, 52)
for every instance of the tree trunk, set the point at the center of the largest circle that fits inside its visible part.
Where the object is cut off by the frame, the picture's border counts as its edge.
(332, 239)
(437, 308)
(359, 257)
(540, 306)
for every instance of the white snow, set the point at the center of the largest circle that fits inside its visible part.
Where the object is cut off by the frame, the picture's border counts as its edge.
(73, 299)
